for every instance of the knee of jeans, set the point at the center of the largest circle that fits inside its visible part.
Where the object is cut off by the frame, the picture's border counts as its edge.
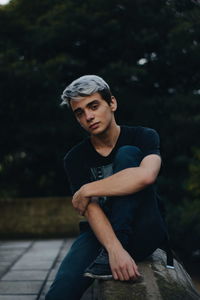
(128, 156)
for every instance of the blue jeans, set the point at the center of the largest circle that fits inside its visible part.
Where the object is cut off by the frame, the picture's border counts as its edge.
(136, 220)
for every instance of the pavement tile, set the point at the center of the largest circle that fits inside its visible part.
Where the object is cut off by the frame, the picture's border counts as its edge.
(4, 266)
(47, 244)
(25, 275)
(10, 254)
(24, 279)
(4, 263)
(54, 271)
(24, 264)
(7, 259)
(9, 251)
(15, 244)
(41, 255)
(20, 287)
(42, 297)
(45, 290)
(19, 297)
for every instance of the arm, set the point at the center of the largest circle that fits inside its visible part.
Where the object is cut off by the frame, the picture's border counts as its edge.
(125, 182)
(122, 265)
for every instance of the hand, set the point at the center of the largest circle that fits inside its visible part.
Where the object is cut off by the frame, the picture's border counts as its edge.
(80, 201)
(122, 265)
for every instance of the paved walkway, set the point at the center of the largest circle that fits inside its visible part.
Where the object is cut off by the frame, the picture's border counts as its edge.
(27, 268)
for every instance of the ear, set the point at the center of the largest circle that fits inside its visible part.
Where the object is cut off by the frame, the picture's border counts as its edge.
(113, 104)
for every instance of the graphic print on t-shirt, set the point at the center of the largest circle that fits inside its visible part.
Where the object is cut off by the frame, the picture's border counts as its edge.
(98, 173)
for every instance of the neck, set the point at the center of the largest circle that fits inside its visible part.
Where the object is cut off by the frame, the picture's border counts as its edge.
(108, 138)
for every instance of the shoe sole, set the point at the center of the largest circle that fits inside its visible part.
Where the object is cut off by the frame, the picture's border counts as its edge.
(109, 277)
(104, 277)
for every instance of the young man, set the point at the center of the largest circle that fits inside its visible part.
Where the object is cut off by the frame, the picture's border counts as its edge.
(112, 175)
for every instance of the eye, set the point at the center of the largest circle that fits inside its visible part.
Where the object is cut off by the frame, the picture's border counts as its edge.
(79, 113)
(94, 106)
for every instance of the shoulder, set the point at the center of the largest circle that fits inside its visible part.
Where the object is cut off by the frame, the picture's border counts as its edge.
(145, 138)
(141, 131)
(146, 131)
(147, 135)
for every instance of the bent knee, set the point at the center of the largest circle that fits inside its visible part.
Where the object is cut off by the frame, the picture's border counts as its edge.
(127, 156)
(128, 149)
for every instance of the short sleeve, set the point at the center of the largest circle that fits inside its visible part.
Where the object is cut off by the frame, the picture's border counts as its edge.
(149, 141)
(75, 169)
(70, 174)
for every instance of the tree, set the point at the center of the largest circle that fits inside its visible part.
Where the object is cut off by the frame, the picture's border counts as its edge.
(148, 51)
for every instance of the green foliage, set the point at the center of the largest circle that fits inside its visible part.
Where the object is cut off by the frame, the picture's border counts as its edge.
(193, 184)
(184, 226)
(149, 52)
(183, 219)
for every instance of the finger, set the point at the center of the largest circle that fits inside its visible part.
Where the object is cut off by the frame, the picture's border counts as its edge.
(114, 275)
(136, 269)
(131, 272)
(81, 211)
(125, 274)
(79, 208)
(120, 275)
(138, 273)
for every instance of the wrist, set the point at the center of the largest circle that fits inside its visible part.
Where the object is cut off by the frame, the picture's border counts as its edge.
(113, 247)
(86, 190)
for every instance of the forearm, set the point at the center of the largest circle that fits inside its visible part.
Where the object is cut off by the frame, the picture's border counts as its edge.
(122, 265)
(101, 227)
(125, 182)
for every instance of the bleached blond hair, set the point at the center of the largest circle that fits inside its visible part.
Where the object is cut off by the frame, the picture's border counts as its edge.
(85, 86)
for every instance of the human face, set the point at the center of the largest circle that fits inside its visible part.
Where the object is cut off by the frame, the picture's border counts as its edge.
(93, 113)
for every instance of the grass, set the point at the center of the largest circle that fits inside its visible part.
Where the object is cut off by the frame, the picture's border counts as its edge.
(38, 217)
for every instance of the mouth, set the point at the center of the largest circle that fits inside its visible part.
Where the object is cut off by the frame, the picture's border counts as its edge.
(94, 126)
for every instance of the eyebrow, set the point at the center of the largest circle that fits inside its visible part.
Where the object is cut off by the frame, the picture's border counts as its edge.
(95, 101)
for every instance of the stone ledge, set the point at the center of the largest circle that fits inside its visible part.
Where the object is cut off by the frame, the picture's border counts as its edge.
(159, 283)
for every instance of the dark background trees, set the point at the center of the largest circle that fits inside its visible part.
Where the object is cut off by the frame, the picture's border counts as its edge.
(149, 53)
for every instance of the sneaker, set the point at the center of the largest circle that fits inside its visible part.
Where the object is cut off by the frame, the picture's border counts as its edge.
(99, 268)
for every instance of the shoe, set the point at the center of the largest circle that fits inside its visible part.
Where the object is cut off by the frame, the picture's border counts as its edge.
(99, 268)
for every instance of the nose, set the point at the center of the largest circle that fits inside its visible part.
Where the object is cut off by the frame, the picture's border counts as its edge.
(89, 115)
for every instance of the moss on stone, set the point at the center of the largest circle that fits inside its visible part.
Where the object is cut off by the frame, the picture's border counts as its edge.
(170, 289)
(117, 290)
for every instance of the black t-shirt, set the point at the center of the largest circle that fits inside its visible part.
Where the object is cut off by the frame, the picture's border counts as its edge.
(84, 164)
